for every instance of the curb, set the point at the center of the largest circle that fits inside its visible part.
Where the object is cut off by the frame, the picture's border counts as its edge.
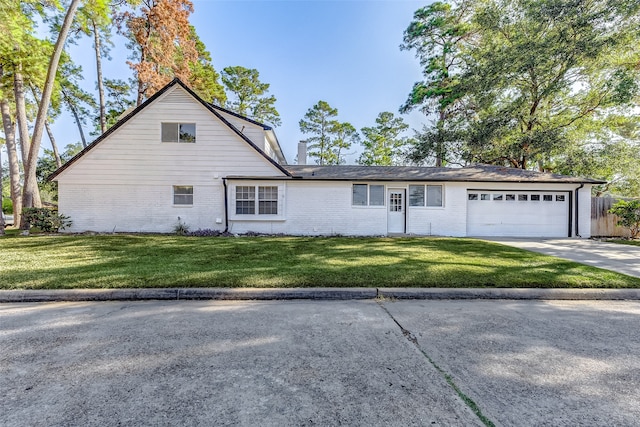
(271, 294)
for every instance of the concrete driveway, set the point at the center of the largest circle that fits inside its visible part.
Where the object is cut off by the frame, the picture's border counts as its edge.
(624, 259)
(320, 363)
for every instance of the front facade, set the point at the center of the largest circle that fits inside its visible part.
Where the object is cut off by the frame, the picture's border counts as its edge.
(178, 159)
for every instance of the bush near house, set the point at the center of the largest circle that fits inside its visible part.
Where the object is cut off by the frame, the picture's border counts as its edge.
(628, 212)
(45, 219)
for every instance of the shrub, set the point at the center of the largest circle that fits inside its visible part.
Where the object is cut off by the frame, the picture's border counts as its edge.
(7, 206)
(628, 213)
(45, 219)
(181, 228)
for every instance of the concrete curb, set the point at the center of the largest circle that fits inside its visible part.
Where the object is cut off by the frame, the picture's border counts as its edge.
(263, 294)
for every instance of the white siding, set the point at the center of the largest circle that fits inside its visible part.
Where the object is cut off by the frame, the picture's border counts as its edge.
(127, 179)
(254, 132)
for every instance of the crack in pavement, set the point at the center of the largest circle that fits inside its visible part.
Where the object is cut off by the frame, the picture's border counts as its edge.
(466, 399)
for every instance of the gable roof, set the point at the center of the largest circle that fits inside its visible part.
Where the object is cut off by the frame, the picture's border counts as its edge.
(475, 173)
(150, 100)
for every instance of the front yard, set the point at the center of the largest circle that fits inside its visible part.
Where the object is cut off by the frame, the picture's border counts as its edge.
(124, 261)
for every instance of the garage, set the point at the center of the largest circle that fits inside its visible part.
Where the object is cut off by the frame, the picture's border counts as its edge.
(518, 213)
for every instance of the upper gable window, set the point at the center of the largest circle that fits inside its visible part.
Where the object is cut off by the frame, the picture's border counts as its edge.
(178, 132)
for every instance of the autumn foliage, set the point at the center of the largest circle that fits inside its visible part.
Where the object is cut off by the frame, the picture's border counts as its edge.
(160, 33)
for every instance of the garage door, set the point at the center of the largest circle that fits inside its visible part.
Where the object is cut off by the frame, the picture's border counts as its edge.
(517, 213)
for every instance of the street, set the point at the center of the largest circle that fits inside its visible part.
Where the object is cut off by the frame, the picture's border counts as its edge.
(363, 362)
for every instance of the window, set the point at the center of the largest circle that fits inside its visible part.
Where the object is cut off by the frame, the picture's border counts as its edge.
(560, 198)
(268, 200)
(367, 195)
(473, 196)
(497, 197)
(485, 197)
(547, 198)
(182, 195)
(510, 197)
(416, 195)
(434, 195)
(265, 204)
(535, 197)
(360, 194)
(245, 200)
(178, 132)
(376, 195)
(522, 197)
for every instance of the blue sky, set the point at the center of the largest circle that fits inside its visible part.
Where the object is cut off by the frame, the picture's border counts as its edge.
(343, 52)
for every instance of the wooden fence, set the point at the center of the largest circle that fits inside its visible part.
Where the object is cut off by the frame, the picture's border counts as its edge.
(603, 224)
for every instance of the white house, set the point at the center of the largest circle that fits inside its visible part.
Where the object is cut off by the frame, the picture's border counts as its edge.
(178, 158)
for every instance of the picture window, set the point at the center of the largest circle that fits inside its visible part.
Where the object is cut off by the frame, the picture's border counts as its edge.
(416, 195)
(367, 195)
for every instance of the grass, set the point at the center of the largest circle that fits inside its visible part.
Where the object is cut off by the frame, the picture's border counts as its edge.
(124, 261)
(626, 242)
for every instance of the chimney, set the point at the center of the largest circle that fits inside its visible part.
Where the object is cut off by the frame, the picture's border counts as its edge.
(302, 152)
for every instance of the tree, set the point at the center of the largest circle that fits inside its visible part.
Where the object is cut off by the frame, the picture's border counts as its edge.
(160, 37)
(118, 100)
(628, 212)
(204, 78)
(319, 122)
(47, 164)
(437, 34)
(344, 136)
(78, 101)
(12, 150)
(94, 19)
(30, 194)
(537, 70)
(383, 143)
(248, 95)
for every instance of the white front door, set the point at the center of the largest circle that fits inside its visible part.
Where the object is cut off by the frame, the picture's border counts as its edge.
(396, 211)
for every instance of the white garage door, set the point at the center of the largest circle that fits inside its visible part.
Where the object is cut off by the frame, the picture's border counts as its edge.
(517, 213)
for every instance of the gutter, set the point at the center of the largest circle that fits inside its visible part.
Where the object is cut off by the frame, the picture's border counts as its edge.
(226, 205)
(578, 212)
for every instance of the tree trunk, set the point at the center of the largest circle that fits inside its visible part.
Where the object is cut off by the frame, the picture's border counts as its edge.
(30, 182)
(14, 166)
(21, 112)
(75, 117)
(54, 146)
(96, 43)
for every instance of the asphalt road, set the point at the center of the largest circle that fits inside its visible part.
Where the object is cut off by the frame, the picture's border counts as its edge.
(320, 363)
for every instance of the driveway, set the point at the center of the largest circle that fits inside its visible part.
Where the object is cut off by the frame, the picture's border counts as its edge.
(320, 363)
(624, 259)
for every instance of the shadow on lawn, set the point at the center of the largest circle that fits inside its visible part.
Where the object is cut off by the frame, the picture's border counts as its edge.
(163, 261)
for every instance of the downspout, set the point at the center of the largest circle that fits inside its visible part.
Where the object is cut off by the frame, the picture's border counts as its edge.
(578, 212)
(226, 204)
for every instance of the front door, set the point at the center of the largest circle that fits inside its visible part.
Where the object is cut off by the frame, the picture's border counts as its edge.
(396, 212)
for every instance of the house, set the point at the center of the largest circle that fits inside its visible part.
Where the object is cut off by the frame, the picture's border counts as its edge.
(178, 158)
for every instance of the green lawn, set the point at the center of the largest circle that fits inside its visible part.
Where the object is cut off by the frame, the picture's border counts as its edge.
(626, 242)
(117, 261)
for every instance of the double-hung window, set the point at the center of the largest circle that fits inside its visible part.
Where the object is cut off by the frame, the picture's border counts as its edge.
(182, 195)
(267, 200)
(179, 132)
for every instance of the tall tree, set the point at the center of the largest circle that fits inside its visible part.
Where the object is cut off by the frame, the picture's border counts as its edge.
(30, 190)
(248, 95)
(118, 100)
(9, 127)
(438, 33)
(540, 69)
(204, 79)
(384, 143)
(344, 136)
(319, 122)
(94, 19)
(160, 37)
